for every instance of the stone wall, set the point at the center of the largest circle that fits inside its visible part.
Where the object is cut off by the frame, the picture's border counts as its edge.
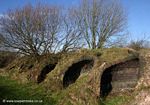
(144, 81)
(121, 76)
(125, 75)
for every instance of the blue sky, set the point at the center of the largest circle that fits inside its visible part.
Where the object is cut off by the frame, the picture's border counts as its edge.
(138, 17)
(138, 12)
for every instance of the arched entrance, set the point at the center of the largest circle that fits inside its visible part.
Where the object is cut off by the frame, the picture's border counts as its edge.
(73, 72)
(44, 72)
(106, 85)
(119, 76)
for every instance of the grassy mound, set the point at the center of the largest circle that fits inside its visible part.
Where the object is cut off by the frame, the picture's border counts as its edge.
(27, 68)
(6, 58)
(85, 90)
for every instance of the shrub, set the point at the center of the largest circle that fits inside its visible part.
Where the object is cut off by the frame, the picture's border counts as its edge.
(6, 58)
(139, 44)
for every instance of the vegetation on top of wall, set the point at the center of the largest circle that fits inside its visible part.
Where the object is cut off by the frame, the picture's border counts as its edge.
(6, 58)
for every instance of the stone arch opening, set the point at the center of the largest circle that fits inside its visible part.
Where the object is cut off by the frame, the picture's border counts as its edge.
(44, 72)
(122, 76)
(74, 71)
(106, 85)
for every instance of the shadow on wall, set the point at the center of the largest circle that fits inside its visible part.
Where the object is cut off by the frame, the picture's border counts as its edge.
(44, 72)
(72, 74)
(106, 85)
(119, 76)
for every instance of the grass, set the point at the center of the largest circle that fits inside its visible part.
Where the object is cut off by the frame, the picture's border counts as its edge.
(114, 54)
(11, 90)
(118, 100)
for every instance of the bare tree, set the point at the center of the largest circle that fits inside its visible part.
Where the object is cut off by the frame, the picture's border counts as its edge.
(41, 29)
(142, 43)
(70, 37)
(31, 30)
(100, 20)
